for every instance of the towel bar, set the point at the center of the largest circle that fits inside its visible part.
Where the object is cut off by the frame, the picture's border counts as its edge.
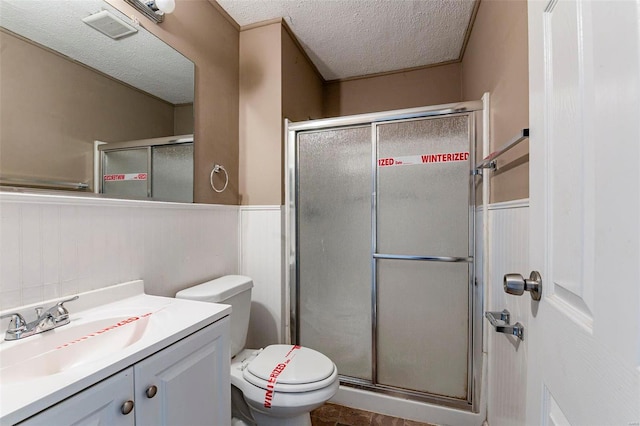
(489, 162)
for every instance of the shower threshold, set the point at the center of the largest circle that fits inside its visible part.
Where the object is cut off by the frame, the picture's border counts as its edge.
(441, 400)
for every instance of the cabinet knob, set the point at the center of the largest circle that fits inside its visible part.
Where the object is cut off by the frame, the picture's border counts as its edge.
(127, 407)
(151, 391)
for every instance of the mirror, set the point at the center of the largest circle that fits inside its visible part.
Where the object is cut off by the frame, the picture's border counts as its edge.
(65, 85)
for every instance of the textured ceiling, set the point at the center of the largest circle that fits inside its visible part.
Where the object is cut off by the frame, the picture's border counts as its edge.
(347, 38)
(141, 59)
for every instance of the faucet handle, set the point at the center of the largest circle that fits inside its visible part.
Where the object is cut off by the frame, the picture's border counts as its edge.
(61, 313)
(71, 299)
(17, 323)
(39, 311)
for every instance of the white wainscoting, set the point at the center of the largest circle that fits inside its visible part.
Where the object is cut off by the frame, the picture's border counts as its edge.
(53, 246)
(261, 246)
(507, 355)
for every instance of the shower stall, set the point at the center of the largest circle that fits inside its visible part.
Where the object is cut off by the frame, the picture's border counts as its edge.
(380, 241)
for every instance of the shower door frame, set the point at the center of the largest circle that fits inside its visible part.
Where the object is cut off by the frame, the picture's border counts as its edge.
(475, 356)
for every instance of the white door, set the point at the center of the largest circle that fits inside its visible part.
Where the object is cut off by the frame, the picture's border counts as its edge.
(584, 335)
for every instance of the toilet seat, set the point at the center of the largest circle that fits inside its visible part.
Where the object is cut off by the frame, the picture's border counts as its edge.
(290, 369)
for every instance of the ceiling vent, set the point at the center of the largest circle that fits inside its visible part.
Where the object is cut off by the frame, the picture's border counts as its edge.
(109, 24)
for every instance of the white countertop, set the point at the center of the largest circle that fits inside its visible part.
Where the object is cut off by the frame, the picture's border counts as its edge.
(150, 323)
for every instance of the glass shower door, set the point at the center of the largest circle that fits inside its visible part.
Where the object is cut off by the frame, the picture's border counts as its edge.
(334, 246)
(125, 173)
(423, 254)
(172, 177)
(137, 169)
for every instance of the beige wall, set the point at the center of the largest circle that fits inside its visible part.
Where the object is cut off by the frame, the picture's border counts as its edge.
(183, 119)
(301, 83)
(496, 61)
(203, 34)
(277, 81)
(414, 88)
(301, 90)
(261, 115)
(53, 109)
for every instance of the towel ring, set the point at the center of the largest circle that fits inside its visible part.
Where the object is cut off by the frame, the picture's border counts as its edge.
(216, 169)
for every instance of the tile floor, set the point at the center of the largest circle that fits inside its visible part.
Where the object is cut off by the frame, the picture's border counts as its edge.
(338, 415)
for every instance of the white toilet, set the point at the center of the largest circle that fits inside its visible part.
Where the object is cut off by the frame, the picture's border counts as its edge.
(279, 384)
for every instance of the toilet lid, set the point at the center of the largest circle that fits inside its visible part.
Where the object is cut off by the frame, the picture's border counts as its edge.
(281, 366)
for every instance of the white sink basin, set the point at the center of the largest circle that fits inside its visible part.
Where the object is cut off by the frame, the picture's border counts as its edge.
(110, 330)
(69, 346)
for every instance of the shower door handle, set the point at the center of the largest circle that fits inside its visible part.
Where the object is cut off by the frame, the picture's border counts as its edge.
(466, 259)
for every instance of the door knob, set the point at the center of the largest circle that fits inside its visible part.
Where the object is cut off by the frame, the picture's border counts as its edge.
(517, 284)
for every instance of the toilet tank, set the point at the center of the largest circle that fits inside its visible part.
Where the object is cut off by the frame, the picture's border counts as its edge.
(234, 290)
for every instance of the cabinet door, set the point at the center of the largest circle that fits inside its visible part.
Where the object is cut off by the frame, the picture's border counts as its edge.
(99, 405)
(191, 379)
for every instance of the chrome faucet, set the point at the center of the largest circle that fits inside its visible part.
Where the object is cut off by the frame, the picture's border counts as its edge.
(55, 316)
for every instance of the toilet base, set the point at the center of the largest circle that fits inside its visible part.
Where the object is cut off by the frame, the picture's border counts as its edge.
(240, 411)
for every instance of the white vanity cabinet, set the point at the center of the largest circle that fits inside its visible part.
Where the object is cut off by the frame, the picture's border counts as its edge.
(187, 383)
(101, 404)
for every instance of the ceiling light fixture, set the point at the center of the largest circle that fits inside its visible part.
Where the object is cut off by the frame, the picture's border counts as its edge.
(154, 9)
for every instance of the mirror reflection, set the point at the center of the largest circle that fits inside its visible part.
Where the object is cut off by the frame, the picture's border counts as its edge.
(67, 87)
